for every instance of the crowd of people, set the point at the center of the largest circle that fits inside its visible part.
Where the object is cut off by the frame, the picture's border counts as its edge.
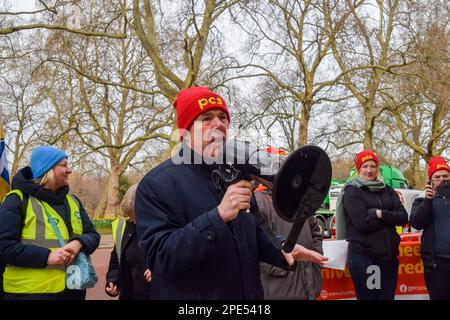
(180, 238)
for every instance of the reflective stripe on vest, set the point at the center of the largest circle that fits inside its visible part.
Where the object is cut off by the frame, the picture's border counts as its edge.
(118, 229)
(75, 215)
(38, 231)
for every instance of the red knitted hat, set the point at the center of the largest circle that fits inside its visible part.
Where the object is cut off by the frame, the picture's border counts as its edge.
(437, 163)
(192, 102)
(364, 156)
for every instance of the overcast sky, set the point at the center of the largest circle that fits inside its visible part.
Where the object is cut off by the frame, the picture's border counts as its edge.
(23, 5)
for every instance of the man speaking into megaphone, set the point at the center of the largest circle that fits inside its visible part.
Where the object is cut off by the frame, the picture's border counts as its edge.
(201, 243)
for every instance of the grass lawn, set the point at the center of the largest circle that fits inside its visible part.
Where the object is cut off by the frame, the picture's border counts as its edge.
(102, 226)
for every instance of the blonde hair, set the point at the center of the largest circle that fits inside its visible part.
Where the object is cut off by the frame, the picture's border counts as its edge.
(380, 175)
(127, 204)
(47, 179)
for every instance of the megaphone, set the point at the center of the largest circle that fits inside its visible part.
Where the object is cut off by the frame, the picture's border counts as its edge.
(299, 183)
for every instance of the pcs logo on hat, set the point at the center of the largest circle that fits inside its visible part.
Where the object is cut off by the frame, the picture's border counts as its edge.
(366, 158)
(213, 100)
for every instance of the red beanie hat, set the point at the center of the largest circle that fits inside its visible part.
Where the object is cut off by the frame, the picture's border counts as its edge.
(364, 156)
(437, 163)
(192, 102)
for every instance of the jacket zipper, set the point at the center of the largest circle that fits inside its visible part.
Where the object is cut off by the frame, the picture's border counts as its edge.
(385, 230)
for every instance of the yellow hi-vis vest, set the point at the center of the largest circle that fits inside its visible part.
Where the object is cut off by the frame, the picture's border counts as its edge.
(118, 228)
(37, 230)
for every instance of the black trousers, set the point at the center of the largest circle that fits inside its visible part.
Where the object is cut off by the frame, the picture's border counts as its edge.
(437, 281)
(360, 270)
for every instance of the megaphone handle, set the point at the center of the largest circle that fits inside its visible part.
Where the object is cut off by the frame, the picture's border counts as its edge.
(289, 245)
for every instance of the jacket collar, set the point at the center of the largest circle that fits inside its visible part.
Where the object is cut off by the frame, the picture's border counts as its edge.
(196, 162)
(23, 182)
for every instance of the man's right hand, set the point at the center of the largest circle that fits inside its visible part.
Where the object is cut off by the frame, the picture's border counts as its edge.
(429, 191)
(236, 198)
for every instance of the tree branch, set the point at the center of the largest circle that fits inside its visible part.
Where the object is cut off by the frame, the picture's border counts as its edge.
(5, 31)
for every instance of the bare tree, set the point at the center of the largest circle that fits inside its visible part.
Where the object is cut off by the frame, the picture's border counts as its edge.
(176, 53)
(22, 119)
(176, 35)
(59, 15)
(367, 42)
(113, 120)
(291, 45)
(97, 84)
(419, 101)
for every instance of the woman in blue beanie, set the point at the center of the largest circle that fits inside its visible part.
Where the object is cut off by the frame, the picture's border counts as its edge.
(35, 261)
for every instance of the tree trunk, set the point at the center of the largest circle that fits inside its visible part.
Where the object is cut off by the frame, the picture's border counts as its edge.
(369, 121)
(415, 174)
(101, 207)
(304, 123)
(417, 180)
(368, 138)
(15, 165)
(175, 136)
(113, 199)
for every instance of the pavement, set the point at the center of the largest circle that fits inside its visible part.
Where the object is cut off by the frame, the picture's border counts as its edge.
(100, 260)
(106, 241)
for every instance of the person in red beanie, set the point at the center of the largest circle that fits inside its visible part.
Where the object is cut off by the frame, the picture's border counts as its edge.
(438, 172)
(433, 216)
(371, 210)
(203, 121)
(196, 242)
(371, 164)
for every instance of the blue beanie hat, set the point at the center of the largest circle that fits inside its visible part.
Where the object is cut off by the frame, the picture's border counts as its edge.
(43, 158)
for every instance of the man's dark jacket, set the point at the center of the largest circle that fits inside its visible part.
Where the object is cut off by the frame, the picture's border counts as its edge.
(192, 253)
(422, 218)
